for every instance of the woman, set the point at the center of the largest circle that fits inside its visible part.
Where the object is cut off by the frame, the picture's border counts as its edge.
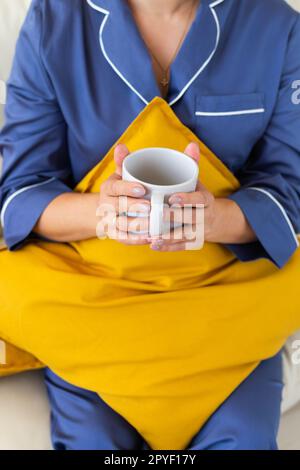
(71, 96)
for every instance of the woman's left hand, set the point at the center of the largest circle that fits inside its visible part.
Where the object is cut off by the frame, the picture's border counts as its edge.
(195, 211)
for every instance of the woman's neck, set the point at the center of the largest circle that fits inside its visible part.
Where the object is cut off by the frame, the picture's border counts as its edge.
(166, 8)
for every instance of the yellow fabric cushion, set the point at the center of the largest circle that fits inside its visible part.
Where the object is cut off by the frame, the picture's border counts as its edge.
(163, 338)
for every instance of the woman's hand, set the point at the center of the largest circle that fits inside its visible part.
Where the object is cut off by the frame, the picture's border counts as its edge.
(122, 210)
(210, 219)
(74, 216)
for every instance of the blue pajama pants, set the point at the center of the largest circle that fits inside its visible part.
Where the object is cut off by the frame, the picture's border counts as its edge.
(247, 420)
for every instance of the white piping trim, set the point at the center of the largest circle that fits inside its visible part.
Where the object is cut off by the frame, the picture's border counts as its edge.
(113, 66)
(20, 191)
(214, 4)
(107, 13)
(211, 6)
(281, 209)
(231, 113)
(96, 7)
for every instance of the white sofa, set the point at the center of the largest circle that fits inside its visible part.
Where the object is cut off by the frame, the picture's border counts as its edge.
(24, 409)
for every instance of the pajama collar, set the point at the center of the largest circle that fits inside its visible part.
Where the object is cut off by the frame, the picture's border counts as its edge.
(122, 46)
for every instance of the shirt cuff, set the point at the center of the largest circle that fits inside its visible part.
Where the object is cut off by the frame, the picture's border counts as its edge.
(276, 236)
(23, 208)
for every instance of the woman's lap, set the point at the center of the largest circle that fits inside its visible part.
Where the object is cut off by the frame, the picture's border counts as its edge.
(248, 419)
(39, 275)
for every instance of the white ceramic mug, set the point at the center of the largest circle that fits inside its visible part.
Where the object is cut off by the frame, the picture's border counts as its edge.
(162, 172)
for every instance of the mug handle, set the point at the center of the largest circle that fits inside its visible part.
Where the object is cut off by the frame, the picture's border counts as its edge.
(156, 214)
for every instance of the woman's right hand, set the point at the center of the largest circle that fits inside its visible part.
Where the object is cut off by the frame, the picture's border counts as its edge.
(122, 209)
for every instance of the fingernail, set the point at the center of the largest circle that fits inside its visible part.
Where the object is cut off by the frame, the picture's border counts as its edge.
(138, 191)
(175, 200)
(155, 247)
(157, 241)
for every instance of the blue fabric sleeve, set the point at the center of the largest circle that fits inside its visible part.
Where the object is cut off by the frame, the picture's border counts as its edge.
(33, 141)
(270, 183)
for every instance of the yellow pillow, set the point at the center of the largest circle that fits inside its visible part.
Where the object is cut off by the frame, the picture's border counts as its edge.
(163, 338)
(143, 132)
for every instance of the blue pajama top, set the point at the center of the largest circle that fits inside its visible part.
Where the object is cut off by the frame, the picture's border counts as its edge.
(82, 73)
